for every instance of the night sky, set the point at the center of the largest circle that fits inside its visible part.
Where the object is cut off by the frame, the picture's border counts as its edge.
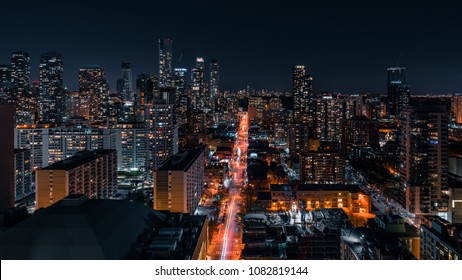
(346, 46)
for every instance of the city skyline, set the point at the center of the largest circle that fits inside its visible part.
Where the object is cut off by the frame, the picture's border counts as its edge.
(346, 49)
(231, 131)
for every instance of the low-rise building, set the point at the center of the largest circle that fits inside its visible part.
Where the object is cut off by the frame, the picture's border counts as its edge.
(281, 196)
(319, 196)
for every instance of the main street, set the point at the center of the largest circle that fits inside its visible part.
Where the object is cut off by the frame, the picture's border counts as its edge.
(226, 243)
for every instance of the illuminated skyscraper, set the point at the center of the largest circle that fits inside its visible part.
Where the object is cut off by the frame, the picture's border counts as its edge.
(94, 88)
(423, 170)
(52, 100)
(162, 134)
(198, 91)
(127, 85)
(20, 72)
(398, 92)
(214, 81)
(304, 106)
(181, 98)
(165, 62)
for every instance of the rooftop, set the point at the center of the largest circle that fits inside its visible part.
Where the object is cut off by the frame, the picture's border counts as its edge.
(78, 159)
(181, 161)
(330, 187)
(280, 188)
(76, 228)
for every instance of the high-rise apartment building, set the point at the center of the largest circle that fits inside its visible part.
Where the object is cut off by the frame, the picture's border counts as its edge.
(199, 97)
(163, 133)
(456, 108)
(304, 104)
(165, 62)
(93, 173)
(331, 110)
(423, 137)
(131, 146)
(327, 167)
(360, 131)
(179, 182)
(94, 89)
(181, 97)
(48, 145)
(52, 100)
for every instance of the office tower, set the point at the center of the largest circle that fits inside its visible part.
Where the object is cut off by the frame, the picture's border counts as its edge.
(93, 173)
(165, 62)
(198, 94)
(398, 92)
(131, 146)
(214, 80)
(64, 142)
(163, 133)
(360, 131)
(19, 91)
(439, 239)
(423, 137)
(327, 167)
(51, 99)
(7, 161)
(126, 75)
(304, 110)
(23, 174)
(179, 182)
(94, 88)
(181, 98)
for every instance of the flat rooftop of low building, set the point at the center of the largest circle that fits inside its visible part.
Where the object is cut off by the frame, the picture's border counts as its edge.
(78, 159)
(330, 187)
(181, 161)
(263, 196)
(280, 187)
